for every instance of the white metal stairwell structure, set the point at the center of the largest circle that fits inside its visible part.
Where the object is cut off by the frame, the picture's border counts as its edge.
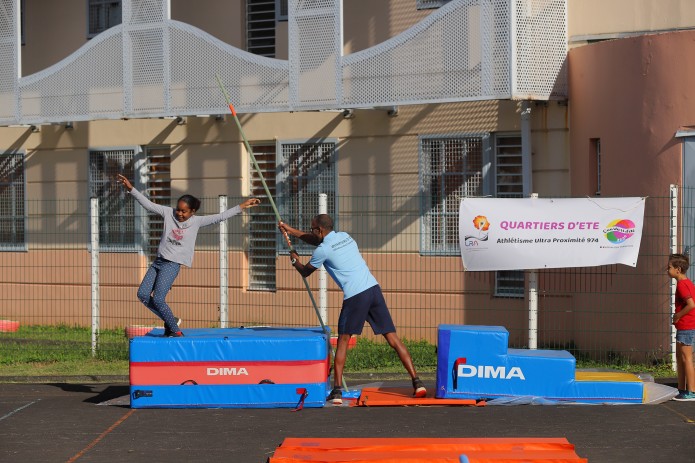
(153, 66)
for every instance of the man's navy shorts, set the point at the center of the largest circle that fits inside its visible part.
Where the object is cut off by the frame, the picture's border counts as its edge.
(367, 306)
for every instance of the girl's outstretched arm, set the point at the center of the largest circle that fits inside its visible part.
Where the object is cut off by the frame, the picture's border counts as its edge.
(142, 199)
(251, 202)
(125, 182)
(206, 220)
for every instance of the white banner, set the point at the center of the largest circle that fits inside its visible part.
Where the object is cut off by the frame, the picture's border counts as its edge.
(536, 233)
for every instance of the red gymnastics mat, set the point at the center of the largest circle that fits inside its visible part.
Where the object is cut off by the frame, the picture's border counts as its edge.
(425, 450)
(403, 396)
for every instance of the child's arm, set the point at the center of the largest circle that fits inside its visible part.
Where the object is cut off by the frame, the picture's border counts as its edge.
(689, 305)
(206, 220)
(142, 199)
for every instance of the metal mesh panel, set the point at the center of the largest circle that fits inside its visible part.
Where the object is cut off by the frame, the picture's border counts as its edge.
(316, 32)
(86, 85)
(116, 211)
(304, 171)
(12, 216)
(450, 169)
(148, 68)
(254, 83)
(9, 58)
(145, 11)
(449, 56)
(541, 49)
(151, 66)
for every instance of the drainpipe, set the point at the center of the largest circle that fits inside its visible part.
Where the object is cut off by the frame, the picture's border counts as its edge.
(527, 175)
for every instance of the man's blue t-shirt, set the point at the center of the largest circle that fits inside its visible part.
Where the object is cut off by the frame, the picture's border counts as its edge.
(339, 254)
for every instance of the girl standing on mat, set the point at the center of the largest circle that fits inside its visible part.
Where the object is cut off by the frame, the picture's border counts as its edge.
(176, 248)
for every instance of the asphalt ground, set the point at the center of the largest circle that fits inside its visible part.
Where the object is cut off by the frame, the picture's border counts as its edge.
(83, 422)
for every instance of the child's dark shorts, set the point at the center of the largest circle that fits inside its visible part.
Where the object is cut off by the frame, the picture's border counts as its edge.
(367, 306)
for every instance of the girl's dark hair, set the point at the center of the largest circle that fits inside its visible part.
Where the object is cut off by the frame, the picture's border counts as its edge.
(191, 201)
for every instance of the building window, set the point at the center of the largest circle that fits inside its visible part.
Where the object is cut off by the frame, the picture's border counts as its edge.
(117, 214)
(509, 183)
(595, 165)
(103, 14)
(509, 174)
(22, 26)
(158, 173)
(260, 27)
(451, 168)
(262, 221)
(428, 4)
(281, 10)
(305, 170)
(12, 202)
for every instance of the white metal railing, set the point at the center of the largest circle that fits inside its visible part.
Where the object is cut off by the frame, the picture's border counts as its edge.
(153, 66)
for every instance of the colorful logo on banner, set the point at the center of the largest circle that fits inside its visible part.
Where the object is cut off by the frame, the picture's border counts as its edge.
(620, 230)
(481, 224)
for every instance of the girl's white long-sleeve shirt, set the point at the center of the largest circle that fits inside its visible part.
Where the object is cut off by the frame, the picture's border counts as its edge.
(178, 238)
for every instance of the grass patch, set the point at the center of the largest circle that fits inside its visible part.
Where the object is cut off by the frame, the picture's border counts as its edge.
(370, 356)
(67, 351)
(36, 343)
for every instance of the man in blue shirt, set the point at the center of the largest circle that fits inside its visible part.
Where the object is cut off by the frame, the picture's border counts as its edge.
(362, 301)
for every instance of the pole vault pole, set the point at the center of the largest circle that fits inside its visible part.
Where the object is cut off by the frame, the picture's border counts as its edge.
(272, 203)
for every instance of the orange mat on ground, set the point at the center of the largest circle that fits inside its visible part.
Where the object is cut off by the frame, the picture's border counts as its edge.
(425, 450)
(403, 396)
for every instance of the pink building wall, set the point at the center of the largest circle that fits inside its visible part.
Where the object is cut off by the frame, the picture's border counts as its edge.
(633, 94)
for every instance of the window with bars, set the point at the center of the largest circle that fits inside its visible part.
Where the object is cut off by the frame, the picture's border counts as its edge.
(260, 27)
(281, 10)
(22, 26)
(427, 4)
(103, 14)
(595, 164)
(451, 168)
(117, 217)
(304, 171)
(509, 183)
(158, 173)
(262, 221)
(12, 202)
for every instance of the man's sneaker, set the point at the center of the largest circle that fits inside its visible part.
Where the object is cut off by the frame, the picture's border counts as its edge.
(685, 396)
(336, 396)
(419, 390)
(178, 334)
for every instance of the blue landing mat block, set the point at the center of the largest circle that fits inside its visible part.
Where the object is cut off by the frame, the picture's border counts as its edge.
(230, 368)
(474, 362)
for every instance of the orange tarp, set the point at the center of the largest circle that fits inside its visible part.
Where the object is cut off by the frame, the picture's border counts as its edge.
(425, 450)
(388, 396)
